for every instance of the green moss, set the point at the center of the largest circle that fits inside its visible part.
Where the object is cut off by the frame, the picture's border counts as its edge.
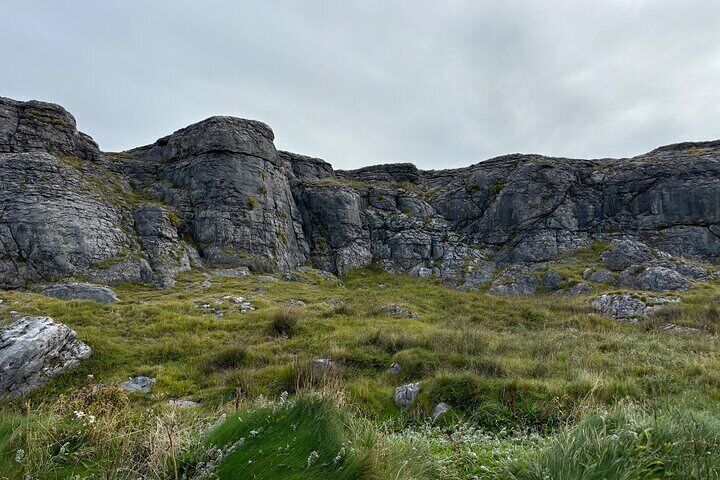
(251, 203)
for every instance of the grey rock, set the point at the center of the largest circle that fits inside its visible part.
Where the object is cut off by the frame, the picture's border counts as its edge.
(325, 366)
(515, 280)
(336, 302)
(628, 308)
(239, 272)
(599, 276)
(395, 310)
(551, 280)
(579, 289)
(621, 307)
(33, 350)
(167, 256)
(81, 291)
(679, 329)
(265, 279)
(138, 384)
(440, 410)
(395, 368)
(625, 253)
(405, 396)
(295, 303)
(692, 271)
(183, 403)
(240, 302)
(660, 279)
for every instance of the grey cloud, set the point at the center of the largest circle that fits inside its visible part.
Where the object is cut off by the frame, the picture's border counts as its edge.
(439, 84)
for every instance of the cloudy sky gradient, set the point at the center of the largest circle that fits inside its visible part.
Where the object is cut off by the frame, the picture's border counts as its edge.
(437, 83)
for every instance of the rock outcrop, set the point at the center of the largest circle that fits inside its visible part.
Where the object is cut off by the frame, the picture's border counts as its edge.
(81, 291)
(34, 350)
(218, 193)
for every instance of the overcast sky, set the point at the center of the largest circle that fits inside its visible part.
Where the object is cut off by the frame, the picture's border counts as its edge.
(437, 83)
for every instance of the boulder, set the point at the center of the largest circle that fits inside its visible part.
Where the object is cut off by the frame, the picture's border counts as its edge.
(620, 307)
(405, 396)
(628, 308)
(515, 280)
(34, 350)
(394, 369)
(138, 384)
(625, 253)
(551, 280)
(660, 279)
(81, 291)
(599, 276)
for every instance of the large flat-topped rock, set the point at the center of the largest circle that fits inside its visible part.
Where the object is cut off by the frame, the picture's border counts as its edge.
(214, 135)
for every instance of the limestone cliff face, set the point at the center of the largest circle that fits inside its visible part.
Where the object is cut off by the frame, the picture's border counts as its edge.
(219, 193)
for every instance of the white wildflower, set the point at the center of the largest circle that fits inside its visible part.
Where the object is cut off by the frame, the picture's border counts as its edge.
(312, 458)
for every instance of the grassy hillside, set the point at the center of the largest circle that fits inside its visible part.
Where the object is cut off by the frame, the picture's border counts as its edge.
(534, 383)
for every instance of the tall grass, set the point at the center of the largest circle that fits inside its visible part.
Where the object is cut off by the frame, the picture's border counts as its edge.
(630, 444)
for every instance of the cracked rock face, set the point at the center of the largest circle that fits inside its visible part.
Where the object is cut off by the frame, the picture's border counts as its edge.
(218, 193)
(32, 351)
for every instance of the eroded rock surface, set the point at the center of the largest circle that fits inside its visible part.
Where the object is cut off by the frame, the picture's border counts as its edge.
(34, 350)
(219, 193)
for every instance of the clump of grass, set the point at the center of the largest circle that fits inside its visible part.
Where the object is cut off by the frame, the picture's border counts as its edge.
(94, 432)
(416, 363)
(284, 322)
(228, 358)
(627, 444)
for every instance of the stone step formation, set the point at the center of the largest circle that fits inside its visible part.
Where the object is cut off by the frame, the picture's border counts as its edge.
(219, 194)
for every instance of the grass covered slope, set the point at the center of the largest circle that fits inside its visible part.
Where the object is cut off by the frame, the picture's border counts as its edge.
(524, 377)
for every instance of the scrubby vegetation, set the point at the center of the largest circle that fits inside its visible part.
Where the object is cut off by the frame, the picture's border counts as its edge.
(540, 387)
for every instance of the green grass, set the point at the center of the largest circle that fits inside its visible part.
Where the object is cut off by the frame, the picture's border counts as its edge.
(307, 438)
(628, 444)
(506, 365)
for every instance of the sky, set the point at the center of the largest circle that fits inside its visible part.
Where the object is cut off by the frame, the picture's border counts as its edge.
(436, 83)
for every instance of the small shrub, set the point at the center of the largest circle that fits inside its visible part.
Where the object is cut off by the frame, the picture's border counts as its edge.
(251, 203)
(472, 187)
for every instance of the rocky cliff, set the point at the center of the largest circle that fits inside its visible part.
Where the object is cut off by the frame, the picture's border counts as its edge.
(218, 193)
